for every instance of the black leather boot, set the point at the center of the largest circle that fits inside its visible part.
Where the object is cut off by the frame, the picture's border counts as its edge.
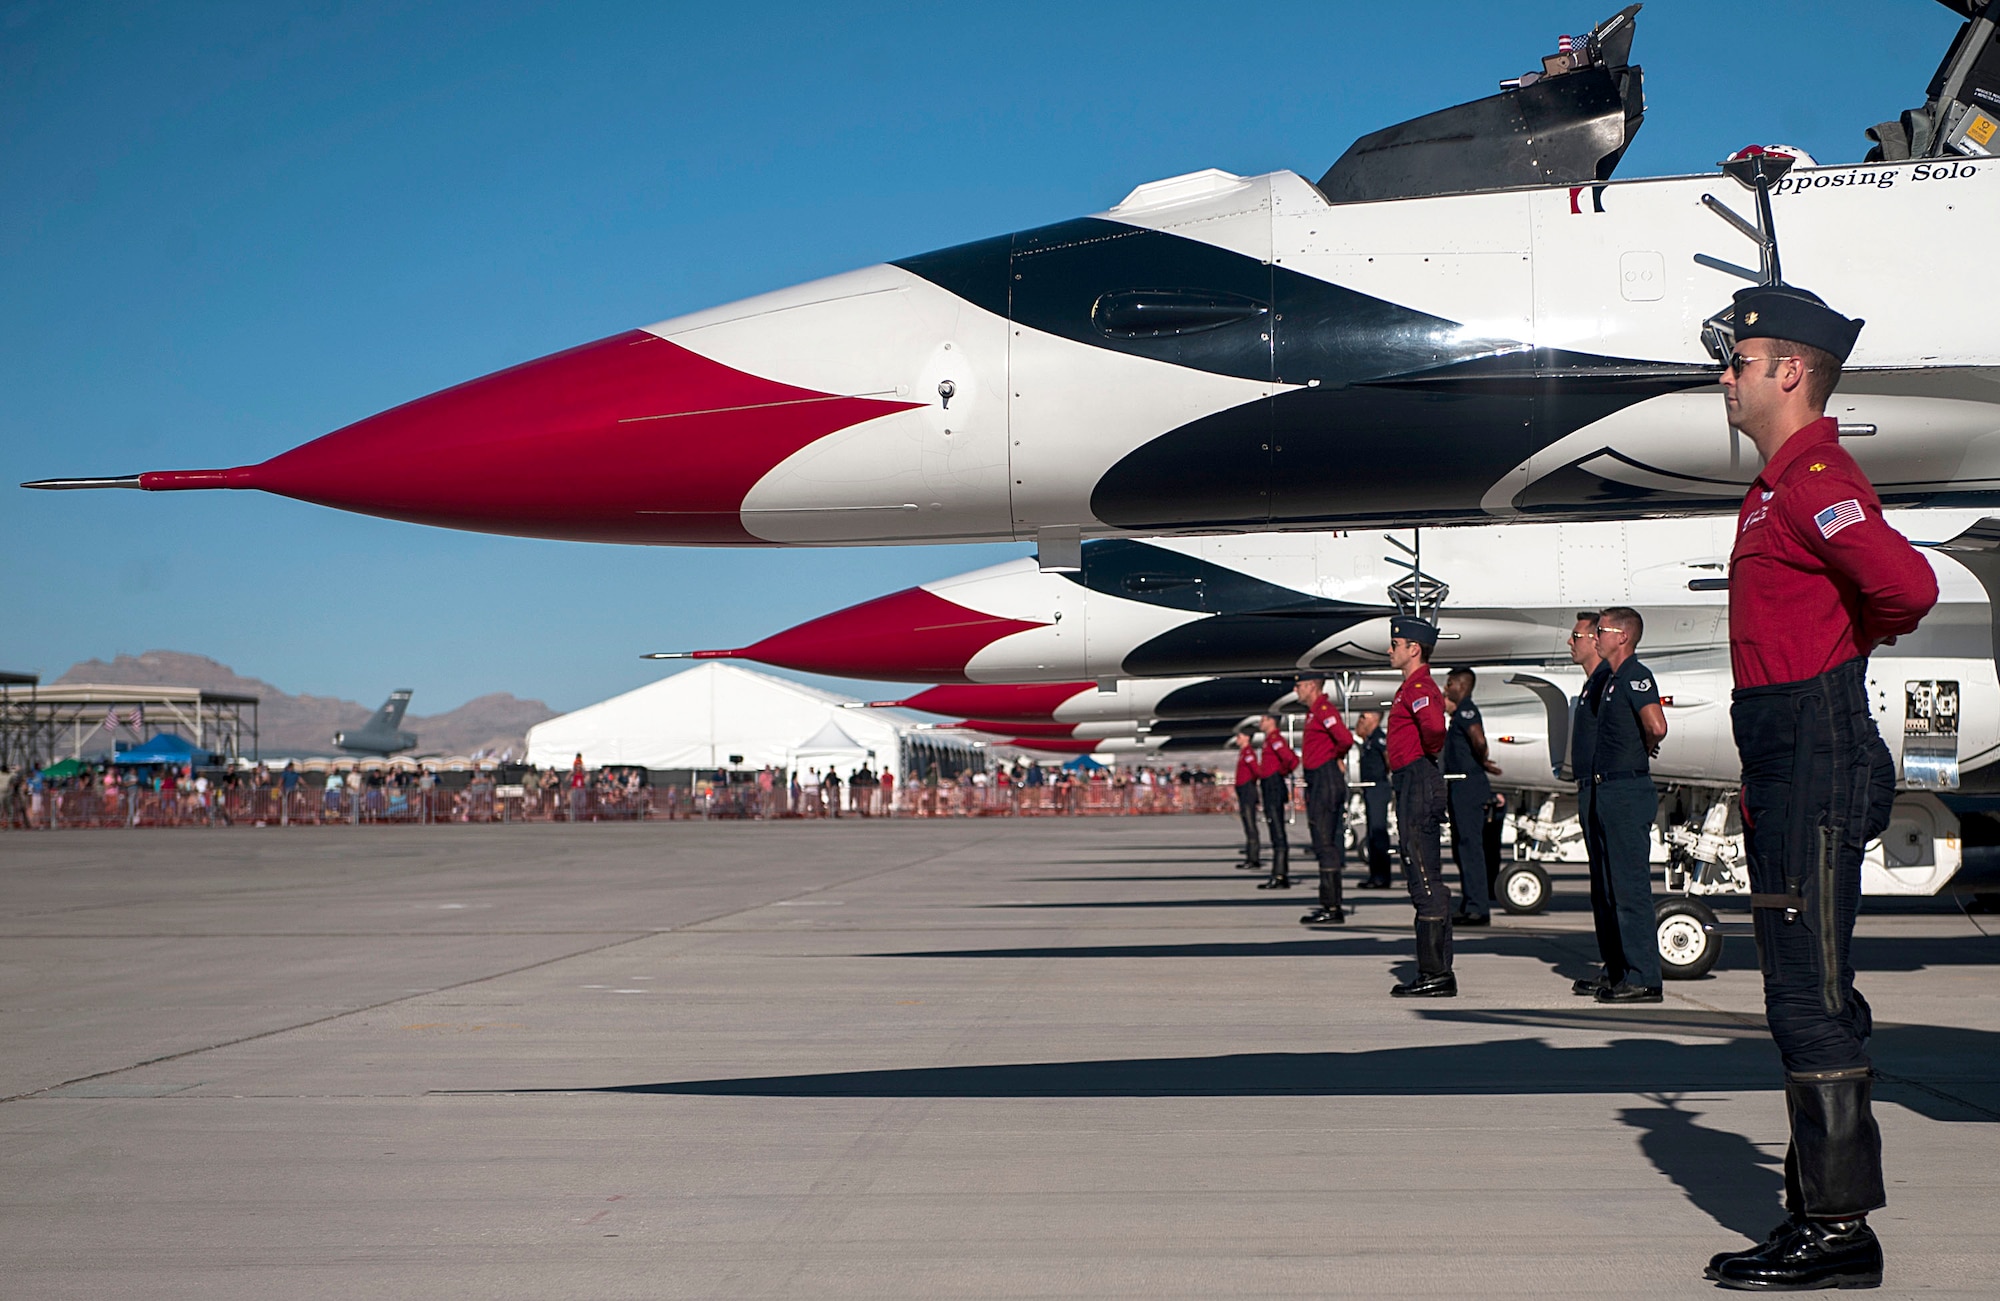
(1806, 1255)
(1434, 977)
(1281, 870)
(1835, 1143)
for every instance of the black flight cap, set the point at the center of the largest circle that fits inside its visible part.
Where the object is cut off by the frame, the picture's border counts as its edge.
(1794, 314)
(1410, 628)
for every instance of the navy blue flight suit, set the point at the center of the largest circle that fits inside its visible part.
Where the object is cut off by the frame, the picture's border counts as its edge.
(1375, 801)
(1468, 792)
(1623, 804)
(1582, 745)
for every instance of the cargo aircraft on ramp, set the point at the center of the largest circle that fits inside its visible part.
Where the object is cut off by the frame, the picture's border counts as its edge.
(1468, 291)
(382, 735)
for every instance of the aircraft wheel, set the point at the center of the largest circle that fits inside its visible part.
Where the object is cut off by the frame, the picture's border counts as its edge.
(1690, 938)
(1524, 888)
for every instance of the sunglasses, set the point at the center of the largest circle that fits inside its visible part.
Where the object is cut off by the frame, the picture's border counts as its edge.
(1737, 361)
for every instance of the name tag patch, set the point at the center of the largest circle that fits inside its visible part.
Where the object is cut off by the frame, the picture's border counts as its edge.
(1838, 516)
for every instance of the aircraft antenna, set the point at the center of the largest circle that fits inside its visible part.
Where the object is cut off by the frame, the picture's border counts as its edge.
(1415, 593)
(1757, 169)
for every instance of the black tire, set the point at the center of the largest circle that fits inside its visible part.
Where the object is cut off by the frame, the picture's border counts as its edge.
(1689, 937)
(1523, 888)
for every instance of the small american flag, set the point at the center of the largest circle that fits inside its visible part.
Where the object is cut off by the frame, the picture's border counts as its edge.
(1838, 516)
(1565, 44)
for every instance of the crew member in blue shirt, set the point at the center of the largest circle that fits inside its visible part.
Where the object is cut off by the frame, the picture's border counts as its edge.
(1582, 740)
(1623, 803)
(1373, 740)
(1468, 794)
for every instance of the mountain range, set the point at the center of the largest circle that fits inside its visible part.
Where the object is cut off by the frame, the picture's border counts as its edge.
(290, 726)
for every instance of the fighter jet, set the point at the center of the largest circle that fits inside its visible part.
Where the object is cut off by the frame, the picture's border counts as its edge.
(1470, 292)
(1260, 605)
(1125, 700)
(381, 736)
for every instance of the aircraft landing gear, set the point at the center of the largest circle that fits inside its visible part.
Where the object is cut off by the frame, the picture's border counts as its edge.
(1690, 938)
(1523, 888)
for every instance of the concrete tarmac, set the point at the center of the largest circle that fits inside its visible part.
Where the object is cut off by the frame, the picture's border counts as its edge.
(1034, 1058)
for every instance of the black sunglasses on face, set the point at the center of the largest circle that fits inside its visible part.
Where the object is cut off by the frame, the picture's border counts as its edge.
(1737, 361)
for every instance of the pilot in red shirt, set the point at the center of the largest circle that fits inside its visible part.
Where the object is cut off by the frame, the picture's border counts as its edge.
(1416, 720)
(1816, 581)
(1817, 577)
(1416, 735)
(1245, 740)
(1275, 762)
(1326, 742)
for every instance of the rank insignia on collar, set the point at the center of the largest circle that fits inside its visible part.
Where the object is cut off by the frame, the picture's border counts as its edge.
(1817, 466)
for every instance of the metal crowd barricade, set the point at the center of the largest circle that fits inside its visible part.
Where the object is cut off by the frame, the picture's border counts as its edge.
(357, 802)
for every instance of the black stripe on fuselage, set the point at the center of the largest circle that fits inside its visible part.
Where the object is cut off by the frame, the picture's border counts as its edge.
(1241, 643)
(1219, 697)
(1132, 570)
(1409, 416)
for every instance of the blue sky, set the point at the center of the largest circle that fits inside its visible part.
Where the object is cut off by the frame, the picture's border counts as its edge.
(228, 228)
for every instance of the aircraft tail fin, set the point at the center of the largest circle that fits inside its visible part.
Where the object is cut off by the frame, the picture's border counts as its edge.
(390, 716)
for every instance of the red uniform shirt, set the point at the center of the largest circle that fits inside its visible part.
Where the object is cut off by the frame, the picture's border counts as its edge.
(1246, 765)
(1277, 758)
(1326, 736)
(1416, 720)
(1817, 576)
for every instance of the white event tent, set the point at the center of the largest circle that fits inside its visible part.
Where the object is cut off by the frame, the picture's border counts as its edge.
(702, 717)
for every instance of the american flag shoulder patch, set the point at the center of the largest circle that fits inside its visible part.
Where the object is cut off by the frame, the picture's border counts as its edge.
(1838, 516)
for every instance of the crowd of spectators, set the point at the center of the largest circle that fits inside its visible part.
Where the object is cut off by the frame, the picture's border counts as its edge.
(101, 793)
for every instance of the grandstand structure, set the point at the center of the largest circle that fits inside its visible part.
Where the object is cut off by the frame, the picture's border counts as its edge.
(40, 724)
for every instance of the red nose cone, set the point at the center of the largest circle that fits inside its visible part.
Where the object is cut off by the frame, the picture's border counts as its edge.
(1028, 703)
(1001, 727)
(907, 636)
(629, 439)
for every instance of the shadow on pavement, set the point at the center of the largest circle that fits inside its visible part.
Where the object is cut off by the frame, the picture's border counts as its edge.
(1737, 1183)
(1739, 952)
(1741, 1060)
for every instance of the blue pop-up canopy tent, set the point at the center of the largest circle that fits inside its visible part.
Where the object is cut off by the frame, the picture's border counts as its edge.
(1083, 763)
(165, 748)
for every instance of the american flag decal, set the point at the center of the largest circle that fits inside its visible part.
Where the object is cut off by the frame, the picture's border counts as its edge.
(1838, 516)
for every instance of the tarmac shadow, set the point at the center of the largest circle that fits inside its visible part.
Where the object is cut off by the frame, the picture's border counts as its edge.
(1738, 1059)
(1566, 952)
(1738, 1184)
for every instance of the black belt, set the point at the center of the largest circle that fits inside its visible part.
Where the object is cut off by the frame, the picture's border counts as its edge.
(1627, 774)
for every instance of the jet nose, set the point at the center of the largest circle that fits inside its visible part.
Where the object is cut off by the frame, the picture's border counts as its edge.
(630, 439)
(913, 635)
(1026, 703)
